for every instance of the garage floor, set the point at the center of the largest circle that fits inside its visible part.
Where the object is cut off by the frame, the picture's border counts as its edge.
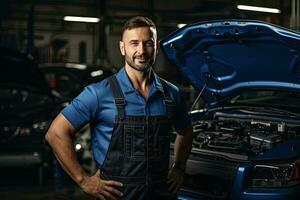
(41, 193)
(22, 184)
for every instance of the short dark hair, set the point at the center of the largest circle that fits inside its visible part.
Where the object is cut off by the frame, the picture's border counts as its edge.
(138, 21)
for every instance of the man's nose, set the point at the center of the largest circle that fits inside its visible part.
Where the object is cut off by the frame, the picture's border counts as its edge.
(141, 48)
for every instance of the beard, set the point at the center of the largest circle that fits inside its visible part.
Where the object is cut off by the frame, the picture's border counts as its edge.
(142, 67)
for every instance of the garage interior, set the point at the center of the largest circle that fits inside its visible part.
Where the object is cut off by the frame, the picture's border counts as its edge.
(41, 29)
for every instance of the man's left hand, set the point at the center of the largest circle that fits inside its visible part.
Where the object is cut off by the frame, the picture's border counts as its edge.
(175, 178)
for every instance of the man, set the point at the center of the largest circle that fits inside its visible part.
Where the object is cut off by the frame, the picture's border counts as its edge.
(130, 115)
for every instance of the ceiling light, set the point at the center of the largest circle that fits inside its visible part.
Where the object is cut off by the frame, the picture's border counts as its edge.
(81, 19)
(259, 9)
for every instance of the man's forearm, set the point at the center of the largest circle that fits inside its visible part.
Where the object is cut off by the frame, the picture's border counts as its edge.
(182, 148)
(66, 156)
(60, 139)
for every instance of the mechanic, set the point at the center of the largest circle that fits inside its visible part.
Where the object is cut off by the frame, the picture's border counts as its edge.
(130, 114)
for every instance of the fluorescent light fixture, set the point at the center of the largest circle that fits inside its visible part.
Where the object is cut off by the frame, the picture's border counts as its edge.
(259, 9)
(96, 73)
(181, 25)
(81, 19)
(76, 66)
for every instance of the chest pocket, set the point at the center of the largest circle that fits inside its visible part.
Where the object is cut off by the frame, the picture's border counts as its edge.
(134, 141)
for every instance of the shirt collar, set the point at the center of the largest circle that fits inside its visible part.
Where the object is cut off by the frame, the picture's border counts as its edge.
(127, 86)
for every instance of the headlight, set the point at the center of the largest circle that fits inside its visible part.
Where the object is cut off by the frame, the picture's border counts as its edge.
(276, 175)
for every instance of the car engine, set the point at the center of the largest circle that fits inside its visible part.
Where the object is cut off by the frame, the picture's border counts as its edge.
(240, 137)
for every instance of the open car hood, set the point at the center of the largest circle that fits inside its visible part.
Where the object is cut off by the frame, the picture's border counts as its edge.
(18, 70)
(229, 57)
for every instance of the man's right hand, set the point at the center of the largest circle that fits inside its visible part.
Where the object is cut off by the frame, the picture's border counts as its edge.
(102, 189)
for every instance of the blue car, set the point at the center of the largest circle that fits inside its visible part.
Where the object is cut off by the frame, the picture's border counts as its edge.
(247, 136)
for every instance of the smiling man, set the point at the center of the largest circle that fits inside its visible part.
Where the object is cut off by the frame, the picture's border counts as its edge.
(131, 115)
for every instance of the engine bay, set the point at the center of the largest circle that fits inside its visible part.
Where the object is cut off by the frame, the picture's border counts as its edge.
(244, 137)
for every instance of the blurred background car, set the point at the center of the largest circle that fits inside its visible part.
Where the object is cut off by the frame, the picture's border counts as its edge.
(69, 79)
(27, 107)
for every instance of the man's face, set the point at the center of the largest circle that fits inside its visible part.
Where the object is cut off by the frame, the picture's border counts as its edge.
(139, 46)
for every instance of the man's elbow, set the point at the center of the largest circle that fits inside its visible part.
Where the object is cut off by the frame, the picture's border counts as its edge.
(188, 132)
(50, 136)
(53, 135)
(59, 130)
(188, 135)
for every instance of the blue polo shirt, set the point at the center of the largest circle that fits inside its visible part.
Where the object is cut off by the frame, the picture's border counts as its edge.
(95, 105)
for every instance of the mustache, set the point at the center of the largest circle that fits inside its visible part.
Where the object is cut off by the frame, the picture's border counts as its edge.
(141, 57)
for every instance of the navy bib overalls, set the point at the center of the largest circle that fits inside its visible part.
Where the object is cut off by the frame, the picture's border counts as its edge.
(138, 154)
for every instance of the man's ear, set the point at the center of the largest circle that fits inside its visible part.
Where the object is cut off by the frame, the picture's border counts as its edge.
(122, 48)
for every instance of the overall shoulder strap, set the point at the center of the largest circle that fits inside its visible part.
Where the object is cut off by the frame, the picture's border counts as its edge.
(167, 98)
(118, 95)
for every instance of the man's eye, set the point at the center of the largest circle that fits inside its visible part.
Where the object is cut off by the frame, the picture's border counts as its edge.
(149, 44)
(134, 43)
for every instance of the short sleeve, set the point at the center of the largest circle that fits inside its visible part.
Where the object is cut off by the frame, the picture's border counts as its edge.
(82, 109)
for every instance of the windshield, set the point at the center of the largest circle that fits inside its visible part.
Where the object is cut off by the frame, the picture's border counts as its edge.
(269, 98)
